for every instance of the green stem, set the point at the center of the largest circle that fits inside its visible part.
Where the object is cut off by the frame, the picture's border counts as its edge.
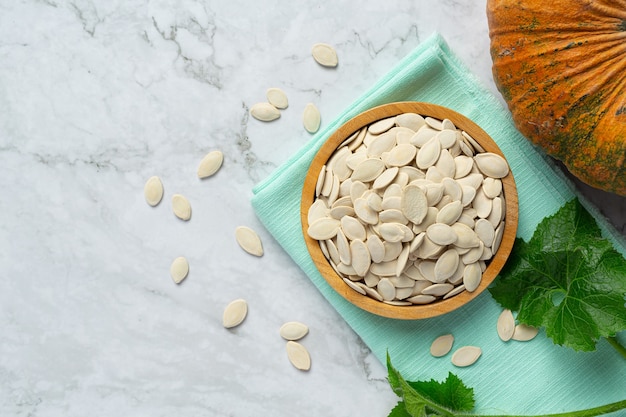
(589, 412)
(617, 345)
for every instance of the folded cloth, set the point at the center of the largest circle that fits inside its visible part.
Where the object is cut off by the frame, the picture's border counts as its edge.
(514, 377)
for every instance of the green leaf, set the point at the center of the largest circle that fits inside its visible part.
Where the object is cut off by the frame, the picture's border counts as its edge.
(424, 398)
(451, 393)
(568, 279)
(399, 411)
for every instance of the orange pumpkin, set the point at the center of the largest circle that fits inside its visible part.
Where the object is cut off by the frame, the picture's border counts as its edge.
(561, 67)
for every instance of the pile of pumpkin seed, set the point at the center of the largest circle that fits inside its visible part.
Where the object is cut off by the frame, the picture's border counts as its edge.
(410, 210)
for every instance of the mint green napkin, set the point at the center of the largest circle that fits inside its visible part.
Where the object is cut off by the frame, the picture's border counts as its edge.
(514, 377)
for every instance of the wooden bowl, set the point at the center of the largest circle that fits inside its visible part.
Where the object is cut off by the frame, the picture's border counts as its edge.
(365, 302)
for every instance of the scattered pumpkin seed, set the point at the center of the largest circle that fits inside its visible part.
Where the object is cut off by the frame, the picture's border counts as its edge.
(298, 356)
(311, 118)
(506, 325)
(181, 207)
(441, 345)
(210, 164)
(324, 55)
(153, 191)
(264, 112)
(179, 269)
(524, 333)
(466, 356)
(235, 313)
(293, 330)
(249, 240)
(277, 98)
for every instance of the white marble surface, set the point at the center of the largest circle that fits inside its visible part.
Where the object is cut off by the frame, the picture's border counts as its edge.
(97, 96)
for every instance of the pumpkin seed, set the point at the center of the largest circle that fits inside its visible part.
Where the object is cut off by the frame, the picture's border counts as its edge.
(506, 325)
(181, 207)
(249, 240)
(210, 164)
(491, 164)
(352, 228)
(445, 266)
(466, 356)
(153, 191)
(381, 126)
(421, 299)
(324, 228)
(429, 153)
(472, 275)
(235, 313)
(311, 118)
(264, 112)
(441, 345)
(386, 289)
(441, 234)
(524, 333)
(376, 248)
(355, 286)
(293, 330)
(179, 269)
(277, 98)
(360, 257)
(414, 204)
(324, 55)
(412, 121)
(298, 355)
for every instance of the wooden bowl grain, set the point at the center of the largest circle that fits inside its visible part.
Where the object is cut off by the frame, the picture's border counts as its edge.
(369, 304)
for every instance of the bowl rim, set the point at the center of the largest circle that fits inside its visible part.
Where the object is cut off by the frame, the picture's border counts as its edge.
(308, 197)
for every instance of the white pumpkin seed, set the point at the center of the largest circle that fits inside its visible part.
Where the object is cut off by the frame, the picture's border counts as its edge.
(368, 170)
(235, 313)
(298, 355)
(466, 356)
(456, 291)
(153, 191)
(324, 228)
(381, 126)
(264, 112)
(450, 213)
(412, 121)
(249, 240)
(441, 234)
(293, 330)
(355, 286)
(438, 290)
(506, 325)
(352, 228)
(441, 345)
(472, 275)
(445, 266)
(401, 155)
(463, 165)
(360, 257)
(385, 178)
(434, 123)
(376, 248)
(181, 207)
(429, 153)
(277, 98)
(311, 118)
(421, 299)
(492, 165)
(210, 164)
(492, 187)
(365, 212)
(524, 333)
(325, 55)
(179, 269)
(485, 231)
(414, 204)
(386, 289)
(343, 247)
(321, 177)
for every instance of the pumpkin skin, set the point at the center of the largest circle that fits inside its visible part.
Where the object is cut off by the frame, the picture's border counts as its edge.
(560, 65)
